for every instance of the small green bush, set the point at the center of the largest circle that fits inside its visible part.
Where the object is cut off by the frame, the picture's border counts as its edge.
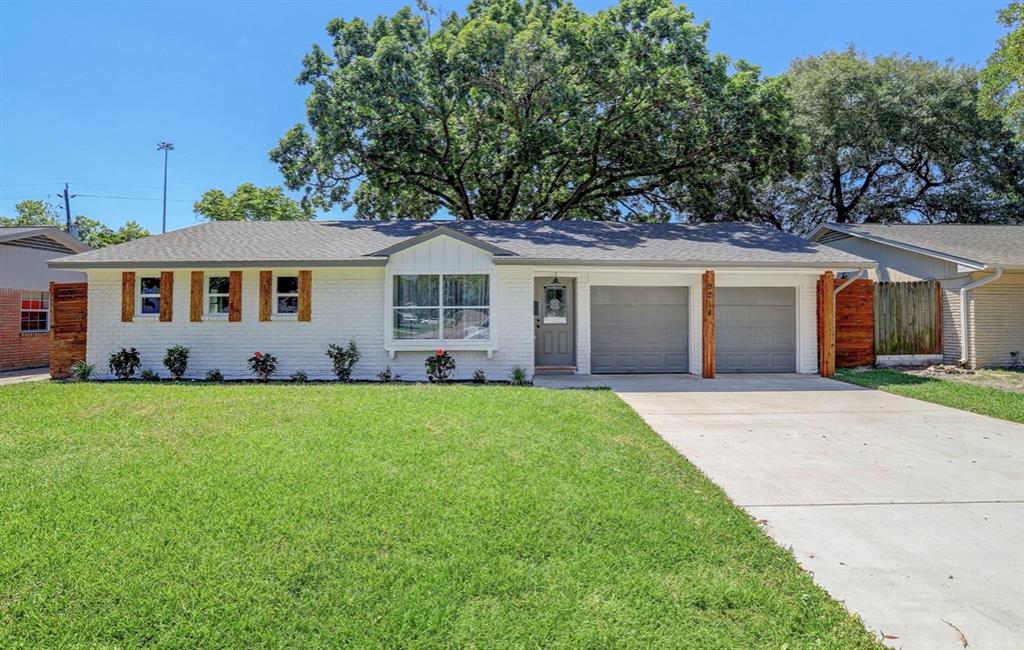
(299, 377)
(176, 361)
(343, 359)
(214, 375)
(262, 365)
(82, 371)
(518, 377)
(479, 376)
(149, 375)
(387, 376)
(124, 363)
(440, 366)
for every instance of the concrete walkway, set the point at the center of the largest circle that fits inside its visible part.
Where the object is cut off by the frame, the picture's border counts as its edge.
(909, 512)
(21, 376)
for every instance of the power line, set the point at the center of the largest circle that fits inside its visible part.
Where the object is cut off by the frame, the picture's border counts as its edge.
(133, 198)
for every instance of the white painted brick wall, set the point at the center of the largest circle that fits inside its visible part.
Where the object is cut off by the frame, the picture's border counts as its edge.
(347, 304)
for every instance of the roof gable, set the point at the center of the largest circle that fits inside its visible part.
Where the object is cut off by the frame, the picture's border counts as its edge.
(41, 237)
(440, 231)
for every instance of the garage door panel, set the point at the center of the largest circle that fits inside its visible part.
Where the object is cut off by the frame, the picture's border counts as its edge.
(639, 329)
(756, 329)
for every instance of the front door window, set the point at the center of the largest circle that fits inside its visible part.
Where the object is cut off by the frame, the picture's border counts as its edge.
(554, 305)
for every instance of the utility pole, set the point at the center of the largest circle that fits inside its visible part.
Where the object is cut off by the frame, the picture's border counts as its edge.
(67, 207)
(165, 147)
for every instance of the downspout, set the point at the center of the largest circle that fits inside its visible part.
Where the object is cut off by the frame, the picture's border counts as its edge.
(963, 309)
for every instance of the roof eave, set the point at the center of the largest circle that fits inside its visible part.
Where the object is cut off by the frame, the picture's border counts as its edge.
(195, 264)
(694, 264)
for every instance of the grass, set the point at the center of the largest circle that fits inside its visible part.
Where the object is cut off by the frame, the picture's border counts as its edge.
(376, 516)
(986, 400)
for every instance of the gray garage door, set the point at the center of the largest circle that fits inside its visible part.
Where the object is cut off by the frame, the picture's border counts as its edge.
(638, 329)
(755, 329)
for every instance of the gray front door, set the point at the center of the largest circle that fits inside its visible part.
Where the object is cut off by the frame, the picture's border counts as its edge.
(554, 309)
(639, 329)
(755, 329)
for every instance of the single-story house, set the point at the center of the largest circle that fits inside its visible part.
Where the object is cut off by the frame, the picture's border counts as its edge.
(981, 266)
(25, 291)
(584, 297)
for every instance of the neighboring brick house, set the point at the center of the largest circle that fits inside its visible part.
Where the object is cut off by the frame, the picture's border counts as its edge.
(25, 292)
(981, 264)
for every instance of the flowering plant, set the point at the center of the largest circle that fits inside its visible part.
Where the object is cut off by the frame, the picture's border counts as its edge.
(262, 365)
(440, 365)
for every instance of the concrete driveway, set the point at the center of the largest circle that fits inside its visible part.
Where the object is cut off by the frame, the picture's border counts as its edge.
(909, 512)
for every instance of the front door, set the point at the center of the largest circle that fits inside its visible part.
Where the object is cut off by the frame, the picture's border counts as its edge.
(554, 310)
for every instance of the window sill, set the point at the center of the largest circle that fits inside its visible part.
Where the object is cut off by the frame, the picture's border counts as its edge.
(393, 347)
(285, 317)
(215, 318)
(35, 333)
(146, 318)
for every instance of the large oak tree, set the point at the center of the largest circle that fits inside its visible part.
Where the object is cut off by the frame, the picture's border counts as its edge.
(532, 109)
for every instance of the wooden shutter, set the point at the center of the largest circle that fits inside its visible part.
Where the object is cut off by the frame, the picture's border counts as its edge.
(266, 294)
(305, 295)
(127, 296)
(166, 296)
(235, 296)
(195, 307)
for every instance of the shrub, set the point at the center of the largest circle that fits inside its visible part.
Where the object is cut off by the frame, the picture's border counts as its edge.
(440, 365)
(299, 377)
(479, 376)
(124, 363)
(262, 365)
(386, 375)
(343, 359)
(149, 375)
(214, 375)
(176, 361)
(518, 377)
(1016, 363)
(82, 371)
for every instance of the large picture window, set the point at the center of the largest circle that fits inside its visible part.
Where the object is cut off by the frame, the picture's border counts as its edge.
(35, 311)
(442, 307)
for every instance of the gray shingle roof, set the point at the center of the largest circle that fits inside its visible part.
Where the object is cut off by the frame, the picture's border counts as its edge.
(327, 243)
(987, 245)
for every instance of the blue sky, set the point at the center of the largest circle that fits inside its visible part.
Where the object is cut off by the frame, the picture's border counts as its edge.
(87, 89)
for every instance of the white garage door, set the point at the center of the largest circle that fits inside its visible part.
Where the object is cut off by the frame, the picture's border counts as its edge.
(638, 329)
(755, 329)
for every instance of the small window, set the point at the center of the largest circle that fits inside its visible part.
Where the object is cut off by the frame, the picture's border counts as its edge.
(436, 307)
(149, 295)
(218, 289)
(35, 311)
(287, 294)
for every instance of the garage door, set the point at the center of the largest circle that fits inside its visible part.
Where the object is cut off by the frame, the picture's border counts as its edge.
(755, 329)
(638, 329)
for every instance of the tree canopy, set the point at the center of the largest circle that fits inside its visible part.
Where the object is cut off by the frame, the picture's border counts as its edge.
(1003, 75)
(250, 203)
(532, 109)
(892, 139)
(91, 232)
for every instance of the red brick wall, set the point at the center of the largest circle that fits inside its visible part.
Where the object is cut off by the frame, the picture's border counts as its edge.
(19, 350)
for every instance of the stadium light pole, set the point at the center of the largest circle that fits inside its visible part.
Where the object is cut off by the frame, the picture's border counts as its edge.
(165, 147)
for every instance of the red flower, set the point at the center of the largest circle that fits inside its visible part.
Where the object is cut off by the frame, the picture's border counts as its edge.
(258, 355)
(439, 352)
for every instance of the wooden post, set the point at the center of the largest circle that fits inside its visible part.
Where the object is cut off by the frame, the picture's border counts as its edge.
(708, 325)
(827, 315)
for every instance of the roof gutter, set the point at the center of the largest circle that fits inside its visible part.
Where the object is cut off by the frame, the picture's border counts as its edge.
(963, 308)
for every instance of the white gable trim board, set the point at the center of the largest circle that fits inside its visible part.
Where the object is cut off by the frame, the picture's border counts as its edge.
(349, 302)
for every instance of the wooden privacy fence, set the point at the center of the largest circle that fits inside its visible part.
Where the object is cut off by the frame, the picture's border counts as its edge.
(69, 304)
(855, 324)
(908, 317)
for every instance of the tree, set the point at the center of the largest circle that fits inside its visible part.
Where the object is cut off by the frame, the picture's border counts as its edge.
(34, 213)
(250, 203)
(97, 235)
(1003, 75)
(90, 231)
(532, 109)
(893, 139)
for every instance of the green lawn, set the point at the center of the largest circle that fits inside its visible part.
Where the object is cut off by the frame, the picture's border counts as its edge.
(376, 516)
(986, 400)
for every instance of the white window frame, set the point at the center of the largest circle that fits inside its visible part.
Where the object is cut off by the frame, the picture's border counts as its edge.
(277, 315)
(138, 298)
(22, 310)
(207, 294)
(396, 344)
